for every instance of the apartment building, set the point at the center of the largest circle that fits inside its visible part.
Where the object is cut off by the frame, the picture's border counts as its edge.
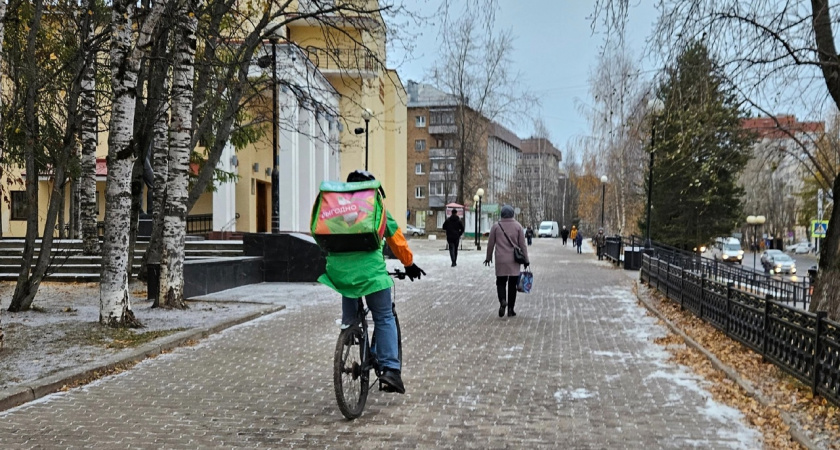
(433, 142)
(537, 181)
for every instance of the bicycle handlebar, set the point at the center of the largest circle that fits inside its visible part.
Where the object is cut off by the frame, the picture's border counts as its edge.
(398, 274)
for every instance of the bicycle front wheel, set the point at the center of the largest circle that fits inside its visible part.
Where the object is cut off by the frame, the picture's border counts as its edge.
(350, 377)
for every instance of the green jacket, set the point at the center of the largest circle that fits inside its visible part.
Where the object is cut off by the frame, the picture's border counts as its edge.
(357, 274)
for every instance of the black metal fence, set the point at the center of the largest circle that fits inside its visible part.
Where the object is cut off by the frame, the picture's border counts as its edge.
(796, 293)
(804, 344)
(196, 224)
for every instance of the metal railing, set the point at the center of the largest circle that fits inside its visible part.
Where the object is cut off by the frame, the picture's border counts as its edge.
(196, 224)
(796, 293)
(805, 345)
(344, 59)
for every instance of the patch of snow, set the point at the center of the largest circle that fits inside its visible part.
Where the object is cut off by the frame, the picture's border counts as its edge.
(564, 395)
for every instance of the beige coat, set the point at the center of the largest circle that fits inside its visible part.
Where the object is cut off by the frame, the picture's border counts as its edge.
(504, 263)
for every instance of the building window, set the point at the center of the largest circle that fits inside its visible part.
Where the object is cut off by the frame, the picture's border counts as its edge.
(419, 192)
(420, 121)
(19, 205)
(420, 145)
(418, 169)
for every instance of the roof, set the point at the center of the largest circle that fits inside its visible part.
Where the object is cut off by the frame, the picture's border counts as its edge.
(421, 95)
(534, 145)
(500, 132)
(767, 127)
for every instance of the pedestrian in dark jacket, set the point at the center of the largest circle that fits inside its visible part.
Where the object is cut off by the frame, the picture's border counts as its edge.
(564, 233)
(454, 229)
(529, 235)
(578, 240)
(600, 243)
(506, 233)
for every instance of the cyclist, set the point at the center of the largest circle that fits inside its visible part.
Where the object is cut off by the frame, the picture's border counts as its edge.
(363, 274)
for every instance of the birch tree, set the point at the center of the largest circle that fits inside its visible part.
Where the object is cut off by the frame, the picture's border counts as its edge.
(2, 191)
(114, 300)
(180, 127)
(89, 140)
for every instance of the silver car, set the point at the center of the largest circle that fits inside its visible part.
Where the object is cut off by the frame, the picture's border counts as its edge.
(784, 264)
(414, 231)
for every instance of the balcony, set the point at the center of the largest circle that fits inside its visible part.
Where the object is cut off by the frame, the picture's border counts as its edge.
(354, 62)
(443, 129)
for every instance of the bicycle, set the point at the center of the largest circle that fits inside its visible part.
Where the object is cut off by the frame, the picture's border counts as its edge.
(353, 360)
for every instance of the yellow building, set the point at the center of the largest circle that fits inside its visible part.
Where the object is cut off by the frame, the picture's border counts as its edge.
(349, 58)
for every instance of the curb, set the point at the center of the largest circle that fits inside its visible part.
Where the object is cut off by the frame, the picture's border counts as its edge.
(18, 395)
(795, 431)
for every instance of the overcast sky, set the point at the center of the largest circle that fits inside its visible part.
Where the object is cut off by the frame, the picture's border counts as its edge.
(555, 50)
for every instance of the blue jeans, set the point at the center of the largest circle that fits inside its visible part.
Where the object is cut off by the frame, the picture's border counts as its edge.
(379, 303)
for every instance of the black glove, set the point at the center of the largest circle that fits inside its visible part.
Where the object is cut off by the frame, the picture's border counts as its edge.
(527, 264)
(487, 262)
(413, 272)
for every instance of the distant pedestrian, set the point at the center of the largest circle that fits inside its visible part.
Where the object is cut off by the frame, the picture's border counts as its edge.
(454, 229)
(578, 241)
(600, 243)
(564, 233)
(505, 234)
(529, 235)
(573, 234)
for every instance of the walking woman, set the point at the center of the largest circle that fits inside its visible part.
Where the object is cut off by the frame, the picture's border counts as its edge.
(504, 235)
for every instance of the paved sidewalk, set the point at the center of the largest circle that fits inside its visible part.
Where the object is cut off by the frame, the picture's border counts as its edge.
(576, 368)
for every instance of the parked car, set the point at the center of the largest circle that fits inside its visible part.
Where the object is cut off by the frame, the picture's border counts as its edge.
(783, 264)
(414, 231)
(803, 248)
(767, 258)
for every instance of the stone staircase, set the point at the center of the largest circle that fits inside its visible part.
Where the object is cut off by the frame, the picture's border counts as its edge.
(69, 264)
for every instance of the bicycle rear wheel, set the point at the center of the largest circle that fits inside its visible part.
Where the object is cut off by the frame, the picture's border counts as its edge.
(350, 377)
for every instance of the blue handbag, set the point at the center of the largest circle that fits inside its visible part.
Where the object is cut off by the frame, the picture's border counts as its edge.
(526, 282)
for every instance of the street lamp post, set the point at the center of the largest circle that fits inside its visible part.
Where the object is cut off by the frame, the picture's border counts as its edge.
(366, 116)
(477, 198)
(655, 105)
(755, 221)
(264, 62)
(604, 180)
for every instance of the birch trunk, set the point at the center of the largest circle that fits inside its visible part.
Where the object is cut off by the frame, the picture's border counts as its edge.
(87, 181)
(2, 32)
(175, 210)
(114, 302)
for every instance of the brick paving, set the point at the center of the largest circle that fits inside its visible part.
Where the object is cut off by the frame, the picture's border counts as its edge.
(576, 368)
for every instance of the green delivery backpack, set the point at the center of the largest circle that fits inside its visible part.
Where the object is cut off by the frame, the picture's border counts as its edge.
(349, 217)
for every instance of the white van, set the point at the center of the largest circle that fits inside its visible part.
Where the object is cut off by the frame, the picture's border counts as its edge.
(548, 229)
(730, 251)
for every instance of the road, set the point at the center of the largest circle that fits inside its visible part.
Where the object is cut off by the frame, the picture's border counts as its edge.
(577, 368)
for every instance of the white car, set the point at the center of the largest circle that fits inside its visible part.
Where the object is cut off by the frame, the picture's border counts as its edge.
(731, 251)
(414, 231)
(802, 248)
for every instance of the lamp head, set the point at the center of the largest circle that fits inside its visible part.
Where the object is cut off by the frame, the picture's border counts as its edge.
(475, 198)
(751, 220)
(656, 105)
(759, 219)
(604, 178)
(367, 114)
(480, 192)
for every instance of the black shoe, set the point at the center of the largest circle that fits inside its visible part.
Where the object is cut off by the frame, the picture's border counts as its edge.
(502, 306)
(391, 381)
(511, 313)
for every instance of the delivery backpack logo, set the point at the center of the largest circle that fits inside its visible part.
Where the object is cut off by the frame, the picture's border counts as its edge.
(348, 217)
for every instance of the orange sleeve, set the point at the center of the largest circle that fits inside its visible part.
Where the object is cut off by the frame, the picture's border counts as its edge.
(400, 248)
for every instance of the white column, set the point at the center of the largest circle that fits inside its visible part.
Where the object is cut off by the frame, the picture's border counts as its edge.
(224, 198)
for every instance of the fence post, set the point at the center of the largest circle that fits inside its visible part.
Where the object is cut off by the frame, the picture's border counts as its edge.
(765, 327)
(682, 287)
(702, 294)
(729, 288)
(668, 282)
(818, 330)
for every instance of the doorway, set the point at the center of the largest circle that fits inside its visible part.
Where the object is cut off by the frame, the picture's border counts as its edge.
(262, 206)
